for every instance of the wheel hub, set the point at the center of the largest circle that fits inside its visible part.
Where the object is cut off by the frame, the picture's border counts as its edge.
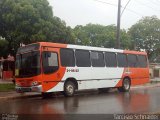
(70, 88)
(126, 84)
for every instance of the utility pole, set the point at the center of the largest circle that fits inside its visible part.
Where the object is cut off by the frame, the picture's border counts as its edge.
(118, 25)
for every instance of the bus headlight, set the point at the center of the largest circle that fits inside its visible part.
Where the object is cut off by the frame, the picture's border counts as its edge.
(17, 84)
(34, 83)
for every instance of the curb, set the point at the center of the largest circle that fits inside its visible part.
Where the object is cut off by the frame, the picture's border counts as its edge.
(19, 97)
(151, 85)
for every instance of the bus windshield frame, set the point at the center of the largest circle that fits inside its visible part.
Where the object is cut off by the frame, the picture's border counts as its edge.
(28, 64)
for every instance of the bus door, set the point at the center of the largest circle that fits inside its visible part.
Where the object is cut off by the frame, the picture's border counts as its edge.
(52, 73)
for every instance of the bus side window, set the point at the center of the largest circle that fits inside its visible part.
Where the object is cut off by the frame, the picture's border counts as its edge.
(142, 61)
(122, 60)
(132, 60)
(110, 59)
(82, 58)
(67, 57)
(50, 62)
(97, 59)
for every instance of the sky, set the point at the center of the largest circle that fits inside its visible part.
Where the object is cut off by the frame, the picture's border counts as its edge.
(104, 12)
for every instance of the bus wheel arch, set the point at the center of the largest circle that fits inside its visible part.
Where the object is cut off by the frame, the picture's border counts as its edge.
(70, 86)
(126, 84)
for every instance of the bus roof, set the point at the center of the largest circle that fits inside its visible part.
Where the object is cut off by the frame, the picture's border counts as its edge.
(60, 45)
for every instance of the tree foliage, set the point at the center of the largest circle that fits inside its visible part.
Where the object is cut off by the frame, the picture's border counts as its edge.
(146, 35)
(3, 47)
(100, 36)
(60, 32)
(27, 21)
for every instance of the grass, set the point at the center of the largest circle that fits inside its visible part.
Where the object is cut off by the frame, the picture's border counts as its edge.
(7, 87)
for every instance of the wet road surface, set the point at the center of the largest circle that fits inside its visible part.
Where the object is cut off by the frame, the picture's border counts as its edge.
(144, 100)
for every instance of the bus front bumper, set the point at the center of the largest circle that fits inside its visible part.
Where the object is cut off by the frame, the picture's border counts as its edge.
(29, 89)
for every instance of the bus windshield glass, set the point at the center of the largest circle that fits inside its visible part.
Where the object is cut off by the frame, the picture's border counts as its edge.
(28, 48)
(28, 64)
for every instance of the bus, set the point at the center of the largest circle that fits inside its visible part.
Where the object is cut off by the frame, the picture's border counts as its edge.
(47, 67)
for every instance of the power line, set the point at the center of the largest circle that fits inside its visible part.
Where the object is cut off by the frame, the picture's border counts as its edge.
(154, 3)
(136, 13)
(139, 14)
(146, 5)
(157, 2)
(106, 3)
(125, 7)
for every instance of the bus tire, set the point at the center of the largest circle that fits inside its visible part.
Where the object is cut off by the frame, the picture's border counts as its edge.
(69, 89)
(125, 85)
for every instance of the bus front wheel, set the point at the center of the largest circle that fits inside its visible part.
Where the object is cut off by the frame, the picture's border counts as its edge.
(69, 89)
(125, 85)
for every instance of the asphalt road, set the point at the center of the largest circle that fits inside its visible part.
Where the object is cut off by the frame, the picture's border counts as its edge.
(141, 100)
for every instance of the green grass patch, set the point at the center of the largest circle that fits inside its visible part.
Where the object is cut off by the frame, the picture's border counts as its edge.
(7, 87)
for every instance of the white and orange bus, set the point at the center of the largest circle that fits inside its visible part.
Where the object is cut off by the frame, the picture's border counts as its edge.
(50, 67)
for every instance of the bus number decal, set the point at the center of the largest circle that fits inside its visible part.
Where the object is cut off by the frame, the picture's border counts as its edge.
(72, 70)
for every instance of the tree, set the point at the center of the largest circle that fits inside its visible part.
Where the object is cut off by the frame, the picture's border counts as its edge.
(100, 36)
(60, 32)
(145, 34)
(27, 21)
(21, 21)
(3, 47)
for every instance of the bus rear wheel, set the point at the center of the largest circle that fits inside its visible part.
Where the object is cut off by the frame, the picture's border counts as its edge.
(125, 85)
(69, 89)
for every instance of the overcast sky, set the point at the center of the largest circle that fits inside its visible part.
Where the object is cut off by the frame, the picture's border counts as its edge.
(82, 12)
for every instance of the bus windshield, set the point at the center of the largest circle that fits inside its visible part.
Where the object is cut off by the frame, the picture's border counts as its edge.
(28, 64)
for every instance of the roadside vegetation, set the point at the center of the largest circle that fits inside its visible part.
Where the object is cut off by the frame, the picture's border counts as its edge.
(7, 87)
(28, 21)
